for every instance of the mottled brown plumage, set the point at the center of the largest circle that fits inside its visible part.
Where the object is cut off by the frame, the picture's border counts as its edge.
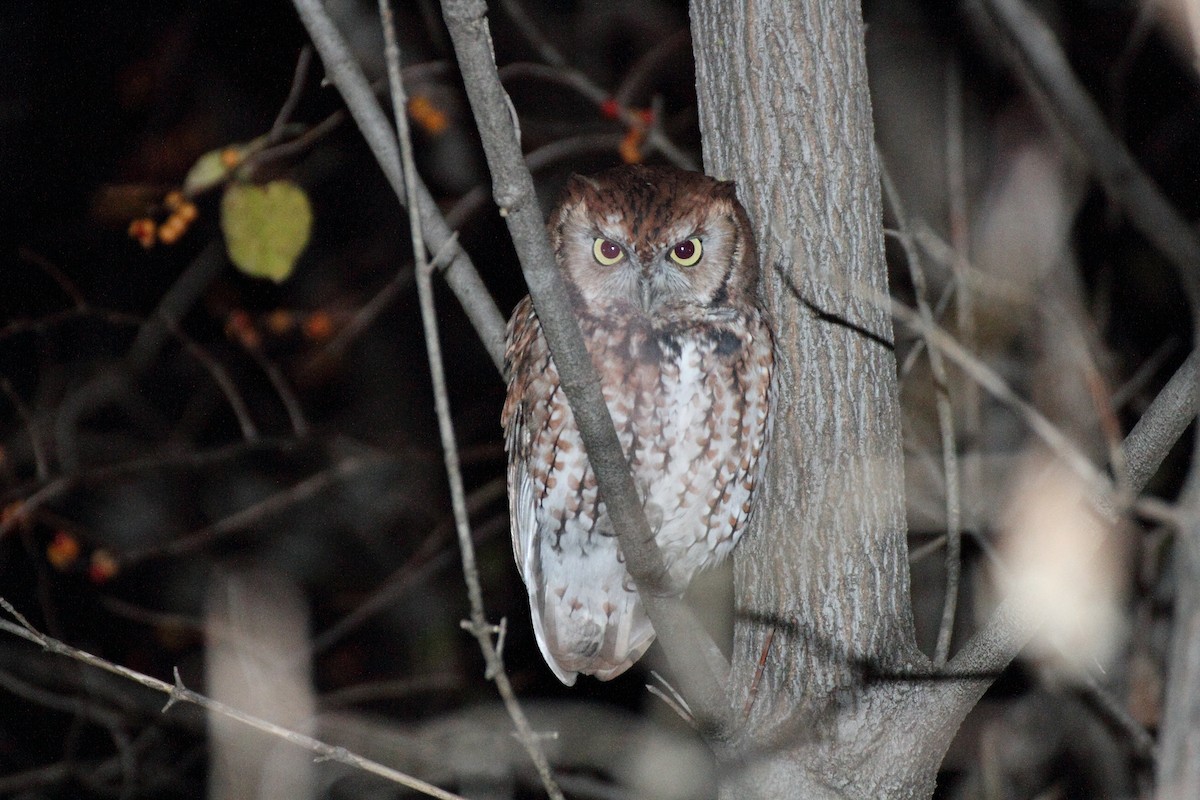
(662, 271)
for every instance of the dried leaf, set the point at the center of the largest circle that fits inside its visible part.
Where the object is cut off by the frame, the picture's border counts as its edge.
(208, 171)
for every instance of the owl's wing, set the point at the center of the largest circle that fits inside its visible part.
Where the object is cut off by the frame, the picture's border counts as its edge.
(527, 552)
(524, 412)
(525, 346)
(586, 615)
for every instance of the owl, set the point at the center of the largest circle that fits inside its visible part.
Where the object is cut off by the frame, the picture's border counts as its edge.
(662, 271)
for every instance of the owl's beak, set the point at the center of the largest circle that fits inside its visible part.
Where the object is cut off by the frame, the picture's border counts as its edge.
(645, 293)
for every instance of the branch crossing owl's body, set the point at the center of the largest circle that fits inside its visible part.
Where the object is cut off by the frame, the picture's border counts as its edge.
(662, 271)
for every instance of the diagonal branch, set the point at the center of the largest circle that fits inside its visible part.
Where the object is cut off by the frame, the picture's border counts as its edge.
(691, 652)
(178, 693)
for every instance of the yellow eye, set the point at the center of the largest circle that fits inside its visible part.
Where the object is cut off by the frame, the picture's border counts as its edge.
(687, 253)
(607, 252)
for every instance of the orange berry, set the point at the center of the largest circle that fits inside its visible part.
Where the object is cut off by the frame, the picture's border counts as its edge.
(174, 200)
(318, 326)
(187, 212)
(240, 327)
(143, 230)
(11, 512)
(231, 157)
(631, 146)
(63, 550)
(104, 567)
(171, 231)
(431, 118)
(281, 321)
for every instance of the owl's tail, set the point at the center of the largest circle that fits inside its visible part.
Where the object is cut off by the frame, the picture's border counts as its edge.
(599, 632)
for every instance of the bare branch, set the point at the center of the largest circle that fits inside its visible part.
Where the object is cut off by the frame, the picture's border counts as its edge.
(251, 515)
(536, 160)
(1163, 423)
(1044, 429)
(220, 376)
(303, 62)
(689, 649)
(40, 460)
(1145, 448)
(178, 693)
(1041, 63)
(964, 298)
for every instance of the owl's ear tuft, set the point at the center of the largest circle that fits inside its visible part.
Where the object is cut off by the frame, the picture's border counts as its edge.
(726, 189)
(581, 184)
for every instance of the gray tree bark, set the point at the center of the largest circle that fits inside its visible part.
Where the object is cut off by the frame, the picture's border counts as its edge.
(823, 574)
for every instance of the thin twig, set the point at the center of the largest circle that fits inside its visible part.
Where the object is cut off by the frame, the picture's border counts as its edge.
(537, 160)
(151, 336)
(752, 695)
(426, 561)
(698, 663)
(964, 296)
(221, 377)
(178, 693)
(1146, 446)
(291, 403)
(303, 61)
(401, 688)
(479, 626)
(1146, 370)
(175, 304)
(945, 418)
(297, 145)
(644, 67)
(66, 483)
(40, 461)
(55, 273)
(363, 318)
(1066, 450)
(249, 516)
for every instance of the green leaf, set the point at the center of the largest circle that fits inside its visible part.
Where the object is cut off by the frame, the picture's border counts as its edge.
(207, 172)
(266, 227)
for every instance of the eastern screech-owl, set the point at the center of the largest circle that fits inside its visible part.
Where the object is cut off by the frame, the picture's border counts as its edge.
(662, 272)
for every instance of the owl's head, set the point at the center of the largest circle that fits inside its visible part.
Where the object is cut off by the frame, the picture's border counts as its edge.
(654, 240)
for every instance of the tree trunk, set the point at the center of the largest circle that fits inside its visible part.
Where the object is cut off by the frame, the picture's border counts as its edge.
(823, 573)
